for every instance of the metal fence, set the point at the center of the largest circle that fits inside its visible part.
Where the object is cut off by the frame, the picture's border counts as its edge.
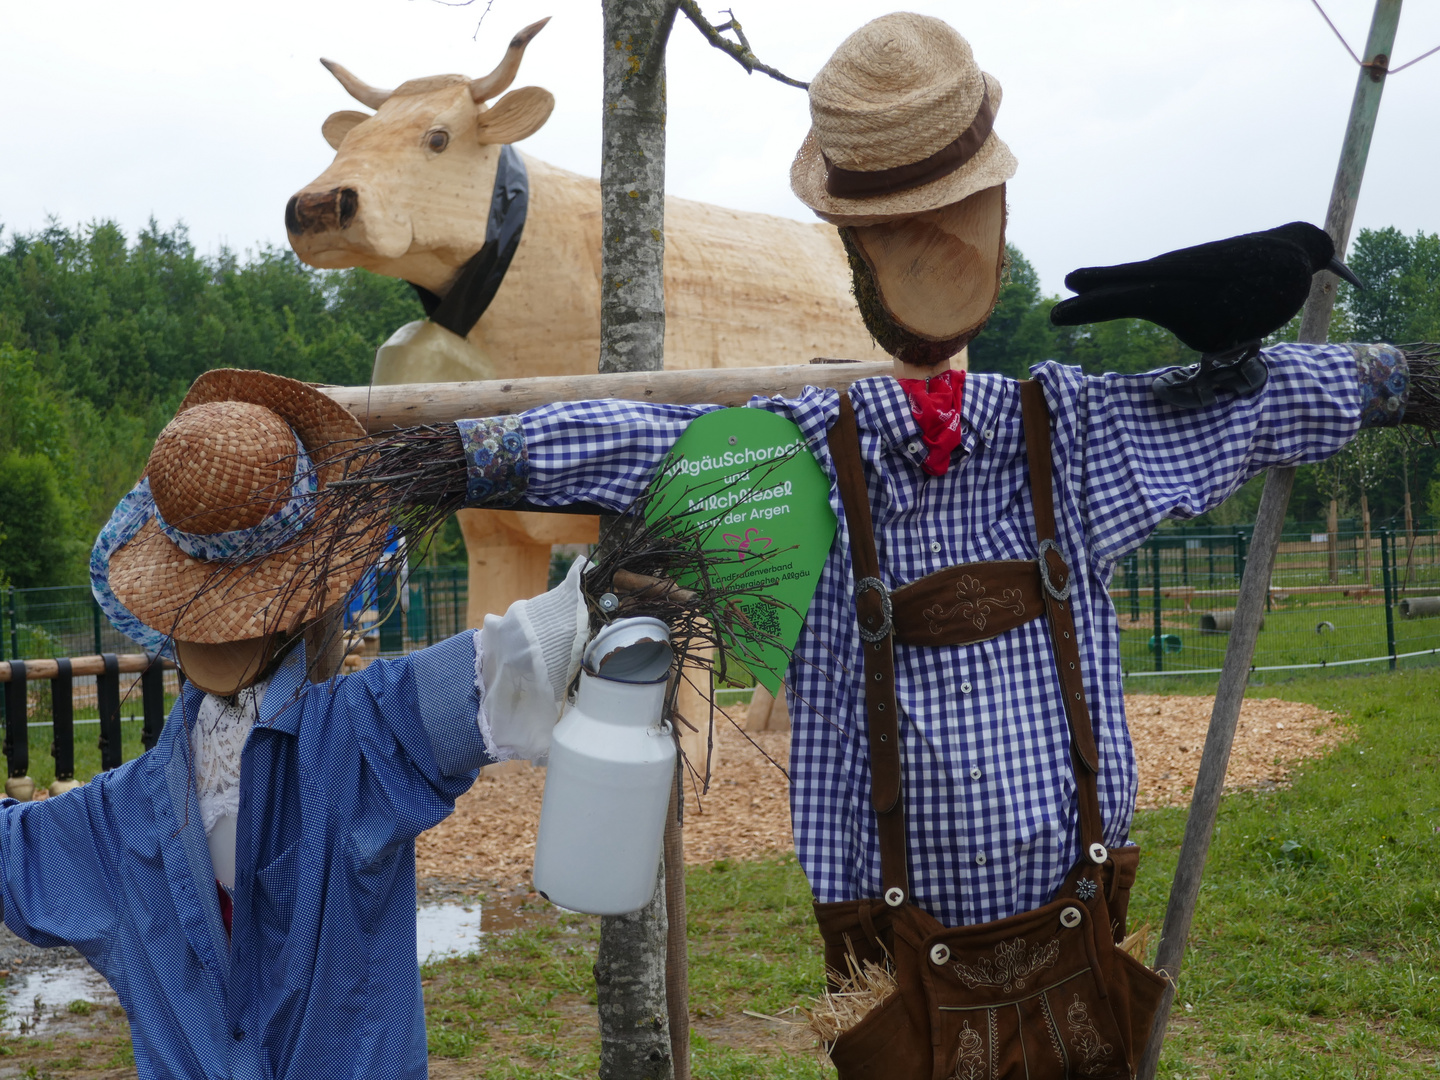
(1335, 600)
(66, 620)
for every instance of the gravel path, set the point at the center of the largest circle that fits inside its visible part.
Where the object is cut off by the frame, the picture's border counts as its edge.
(488, 844)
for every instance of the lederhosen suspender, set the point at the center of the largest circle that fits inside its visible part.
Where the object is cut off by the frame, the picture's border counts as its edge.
(931, 611)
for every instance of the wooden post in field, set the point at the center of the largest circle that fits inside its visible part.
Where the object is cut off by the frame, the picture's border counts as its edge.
(1250, 607)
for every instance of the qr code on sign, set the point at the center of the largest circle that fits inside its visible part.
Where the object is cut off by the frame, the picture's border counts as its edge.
(765, 618)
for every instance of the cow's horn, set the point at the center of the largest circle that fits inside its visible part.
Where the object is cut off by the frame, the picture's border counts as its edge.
(360, 91)
(499, 80)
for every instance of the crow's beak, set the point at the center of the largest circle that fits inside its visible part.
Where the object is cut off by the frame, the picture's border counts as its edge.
(1340, 270)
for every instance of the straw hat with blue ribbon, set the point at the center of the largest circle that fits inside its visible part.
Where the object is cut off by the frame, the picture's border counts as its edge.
(220, 541)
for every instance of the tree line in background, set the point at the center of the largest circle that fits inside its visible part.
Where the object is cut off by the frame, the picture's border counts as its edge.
(101, 335)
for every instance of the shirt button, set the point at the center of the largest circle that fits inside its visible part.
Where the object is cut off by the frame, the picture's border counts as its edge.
(914, 447)
(239, 1034)
(975, 774)
(964, 688)
(989, 434)
(980, 859)
(935, 546)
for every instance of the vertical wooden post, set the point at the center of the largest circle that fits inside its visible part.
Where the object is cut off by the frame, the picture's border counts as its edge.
(677, 944)
(1332, 542)
(107, 700)
(152, 696)
(62, 713)
(630, 969)
(18, 784)
(1314, 327)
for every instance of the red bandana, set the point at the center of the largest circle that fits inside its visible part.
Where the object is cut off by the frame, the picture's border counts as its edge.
(935, 404)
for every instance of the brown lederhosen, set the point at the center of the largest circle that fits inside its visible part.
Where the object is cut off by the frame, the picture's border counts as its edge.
(1042, 995)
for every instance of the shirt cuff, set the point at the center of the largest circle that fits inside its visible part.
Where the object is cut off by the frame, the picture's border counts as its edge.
(497, 462)
(449, 716)
(493, 750)
(1384, 378)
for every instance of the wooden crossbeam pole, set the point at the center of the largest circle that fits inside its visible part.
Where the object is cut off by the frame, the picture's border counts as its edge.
(383, 407)
(131, 663)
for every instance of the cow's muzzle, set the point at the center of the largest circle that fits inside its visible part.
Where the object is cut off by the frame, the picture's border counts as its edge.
(321, 211)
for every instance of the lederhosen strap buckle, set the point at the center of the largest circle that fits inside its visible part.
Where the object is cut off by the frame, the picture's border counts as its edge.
(887, 609)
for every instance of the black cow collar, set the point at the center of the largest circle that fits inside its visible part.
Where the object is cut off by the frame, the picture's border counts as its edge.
(479, 279)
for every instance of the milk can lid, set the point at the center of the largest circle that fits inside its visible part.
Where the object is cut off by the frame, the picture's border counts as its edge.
(633, 650)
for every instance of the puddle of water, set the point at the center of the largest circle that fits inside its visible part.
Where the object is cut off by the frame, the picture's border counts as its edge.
(443, 930)
(41, 999)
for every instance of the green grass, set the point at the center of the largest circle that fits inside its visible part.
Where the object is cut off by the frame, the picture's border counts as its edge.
(87, 748)
(525, 1003)
(1315, 950)
(1289, 636)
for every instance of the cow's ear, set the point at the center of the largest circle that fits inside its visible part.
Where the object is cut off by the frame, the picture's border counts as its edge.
(337, 126)
(517, 115)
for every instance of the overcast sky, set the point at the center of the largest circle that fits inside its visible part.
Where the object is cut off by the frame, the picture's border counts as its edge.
(1139, 125)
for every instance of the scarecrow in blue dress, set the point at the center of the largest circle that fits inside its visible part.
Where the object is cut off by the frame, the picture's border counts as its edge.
(248, 886)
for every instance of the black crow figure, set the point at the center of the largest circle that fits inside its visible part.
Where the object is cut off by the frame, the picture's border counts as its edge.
(1221, 299)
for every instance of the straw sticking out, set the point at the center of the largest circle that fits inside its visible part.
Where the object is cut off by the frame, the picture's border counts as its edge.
(849, 1000)
(1423, 407)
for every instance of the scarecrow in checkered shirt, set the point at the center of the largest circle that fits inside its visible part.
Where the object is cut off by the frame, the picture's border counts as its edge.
(248, 886)
(904, 157)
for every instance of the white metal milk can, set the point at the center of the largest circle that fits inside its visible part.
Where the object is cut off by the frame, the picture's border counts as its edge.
(607, 786)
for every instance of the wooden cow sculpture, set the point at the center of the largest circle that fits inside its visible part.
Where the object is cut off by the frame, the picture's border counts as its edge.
(409, 195)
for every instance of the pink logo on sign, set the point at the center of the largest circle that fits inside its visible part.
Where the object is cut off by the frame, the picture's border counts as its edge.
(752, 543)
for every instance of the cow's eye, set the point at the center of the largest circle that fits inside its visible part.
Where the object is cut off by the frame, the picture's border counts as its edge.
(437, 140)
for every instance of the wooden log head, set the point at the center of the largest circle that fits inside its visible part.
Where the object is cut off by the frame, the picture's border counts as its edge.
(409, 190)
(927, 283)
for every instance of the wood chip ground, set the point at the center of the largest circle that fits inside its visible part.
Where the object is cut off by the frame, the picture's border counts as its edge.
(489, 842)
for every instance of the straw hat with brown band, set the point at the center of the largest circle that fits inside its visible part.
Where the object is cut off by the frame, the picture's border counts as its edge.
(903, 155)
(212, 556)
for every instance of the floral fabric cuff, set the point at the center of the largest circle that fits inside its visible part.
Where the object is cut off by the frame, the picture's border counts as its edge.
(497, 465)
(1384, 379)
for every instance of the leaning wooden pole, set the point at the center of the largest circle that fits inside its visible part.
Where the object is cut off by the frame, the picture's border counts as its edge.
(631, 979)
(1250, 607)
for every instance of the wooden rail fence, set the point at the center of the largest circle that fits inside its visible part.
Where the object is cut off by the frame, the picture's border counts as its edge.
(61, 673)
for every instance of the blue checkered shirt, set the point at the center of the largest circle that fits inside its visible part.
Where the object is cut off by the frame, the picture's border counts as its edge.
(990, 797)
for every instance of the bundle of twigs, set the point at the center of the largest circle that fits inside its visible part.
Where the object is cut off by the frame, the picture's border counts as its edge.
(1423, 407)
(659, 564)
(416, 477)
(407, 482)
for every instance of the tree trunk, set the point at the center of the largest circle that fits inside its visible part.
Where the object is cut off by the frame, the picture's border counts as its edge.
(1333, 525)
(1365, 522)
(630, 988)
(632, 189)
(630, 967)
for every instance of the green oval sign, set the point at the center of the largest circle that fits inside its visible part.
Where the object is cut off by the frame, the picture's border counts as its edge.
(746, 480)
